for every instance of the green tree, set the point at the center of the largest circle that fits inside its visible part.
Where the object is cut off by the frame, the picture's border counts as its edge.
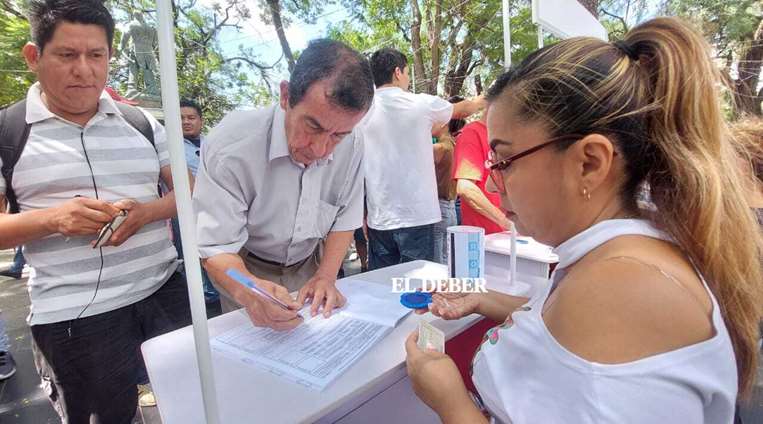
(15, 78)
(282, 14)
(448, 41)
(734, 29)
(275, 18)
(218, 79)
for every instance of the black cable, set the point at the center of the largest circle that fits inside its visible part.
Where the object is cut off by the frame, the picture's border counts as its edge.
(100, 249)
(89, 165)
(97, 285)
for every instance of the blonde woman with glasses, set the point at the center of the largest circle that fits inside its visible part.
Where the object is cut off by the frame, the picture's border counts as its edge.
(650, 317)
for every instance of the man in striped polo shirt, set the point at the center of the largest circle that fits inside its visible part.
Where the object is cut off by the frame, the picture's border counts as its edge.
(82, 164)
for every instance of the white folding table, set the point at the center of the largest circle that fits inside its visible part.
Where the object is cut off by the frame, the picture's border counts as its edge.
(374, 389)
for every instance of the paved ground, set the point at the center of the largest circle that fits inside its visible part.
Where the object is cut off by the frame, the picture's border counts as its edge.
(21, 399)
(23, 402)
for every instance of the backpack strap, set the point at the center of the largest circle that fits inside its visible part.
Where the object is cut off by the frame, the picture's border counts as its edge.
(14, 132)
(138, 120)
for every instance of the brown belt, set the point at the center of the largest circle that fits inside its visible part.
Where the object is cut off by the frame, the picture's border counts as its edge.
(252, 255)
(278, 264)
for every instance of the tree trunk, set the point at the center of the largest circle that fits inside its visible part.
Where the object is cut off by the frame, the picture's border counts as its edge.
(478, 83)
(275, 13)
(592, 6)
(746, 98)
(418, 60)
(456, 75)
(454, 79)
(434, 43)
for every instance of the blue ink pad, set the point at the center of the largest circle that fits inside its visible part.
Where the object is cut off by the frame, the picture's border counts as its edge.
(416, 300)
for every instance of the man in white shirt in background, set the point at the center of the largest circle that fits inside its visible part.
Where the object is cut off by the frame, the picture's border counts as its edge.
(401, 186)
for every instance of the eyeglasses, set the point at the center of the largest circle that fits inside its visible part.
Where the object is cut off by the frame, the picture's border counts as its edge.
(496, 167)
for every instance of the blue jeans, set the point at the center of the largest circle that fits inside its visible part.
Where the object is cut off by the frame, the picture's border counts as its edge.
(18, 261)
(448, 214)
(211, 294)
(458, 210)
(392, 247)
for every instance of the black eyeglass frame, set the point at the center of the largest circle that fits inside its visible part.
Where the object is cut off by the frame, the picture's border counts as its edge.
(496, 167)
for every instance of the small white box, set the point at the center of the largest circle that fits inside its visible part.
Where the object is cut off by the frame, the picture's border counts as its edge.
(466, 251)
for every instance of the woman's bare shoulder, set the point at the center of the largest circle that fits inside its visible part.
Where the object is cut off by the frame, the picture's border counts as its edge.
(629, 299)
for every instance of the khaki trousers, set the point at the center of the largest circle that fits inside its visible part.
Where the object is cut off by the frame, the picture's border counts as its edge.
(293, 277)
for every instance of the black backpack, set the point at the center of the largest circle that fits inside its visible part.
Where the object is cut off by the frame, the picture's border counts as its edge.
(14, 132)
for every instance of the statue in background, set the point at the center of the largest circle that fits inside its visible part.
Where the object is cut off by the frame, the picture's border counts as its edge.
(140, 57)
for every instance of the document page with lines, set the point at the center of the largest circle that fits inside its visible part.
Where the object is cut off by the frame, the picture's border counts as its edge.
(318, 351)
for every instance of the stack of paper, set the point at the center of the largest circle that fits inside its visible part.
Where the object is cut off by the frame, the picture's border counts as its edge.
(318, 351)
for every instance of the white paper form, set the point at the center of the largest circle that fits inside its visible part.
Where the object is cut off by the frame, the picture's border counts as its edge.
(317, 352)
(372, 302)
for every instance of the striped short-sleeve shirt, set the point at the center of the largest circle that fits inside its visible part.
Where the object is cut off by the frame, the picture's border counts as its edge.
(106, 159)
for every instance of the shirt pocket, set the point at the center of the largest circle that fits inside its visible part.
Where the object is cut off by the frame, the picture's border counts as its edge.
(324, 219)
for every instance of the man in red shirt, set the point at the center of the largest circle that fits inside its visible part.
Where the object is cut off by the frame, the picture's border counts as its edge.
(479, 207)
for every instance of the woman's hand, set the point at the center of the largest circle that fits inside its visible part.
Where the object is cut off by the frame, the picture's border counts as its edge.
(452, 305)
(437, 382)
(433, 374)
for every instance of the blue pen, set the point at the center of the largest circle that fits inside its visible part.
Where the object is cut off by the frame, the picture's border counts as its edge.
(247, 282)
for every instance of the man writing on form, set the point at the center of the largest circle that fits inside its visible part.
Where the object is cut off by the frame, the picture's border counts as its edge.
(280, 189)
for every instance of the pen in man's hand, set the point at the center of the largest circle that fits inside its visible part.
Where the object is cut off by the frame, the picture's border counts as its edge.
(245, 281)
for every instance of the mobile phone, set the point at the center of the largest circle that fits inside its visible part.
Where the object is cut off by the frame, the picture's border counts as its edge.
(108, 230)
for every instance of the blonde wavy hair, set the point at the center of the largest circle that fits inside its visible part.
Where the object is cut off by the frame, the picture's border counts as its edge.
(655, 95)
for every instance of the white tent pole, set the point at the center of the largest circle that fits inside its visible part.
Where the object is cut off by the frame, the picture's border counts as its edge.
(540, 36)
(171, 105)
(506, 35)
